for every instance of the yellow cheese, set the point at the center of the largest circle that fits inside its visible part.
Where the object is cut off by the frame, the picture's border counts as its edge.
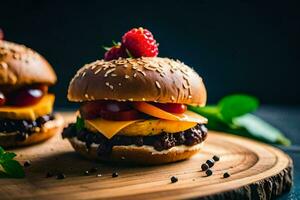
(189, 116)
(155, 127)
(144, 127)
(106, 127)
(43, 107)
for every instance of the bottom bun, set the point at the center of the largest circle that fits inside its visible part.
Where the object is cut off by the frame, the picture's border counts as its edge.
(145, 155)
(49, 129)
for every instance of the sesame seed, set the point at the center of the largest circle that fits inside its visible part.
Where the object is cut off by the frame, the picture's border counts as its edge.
(83, 74)
(119, 84)
(86, 96)
(114, 75)
(3, 65)
(143, 99)
(144, 74)
(16, 56)
(190, 96)
(172, 98)
(98, 70)
(111, 87)
(134, 75)
(130, 99)
(126, 76)
(107, 84)
(184, 85)
(157, 84)
(109, 71)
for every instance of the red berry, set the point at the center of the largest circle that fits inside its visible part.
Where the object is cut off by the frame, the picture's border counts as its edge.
(140, 42)
(1, 34)
(115, 52)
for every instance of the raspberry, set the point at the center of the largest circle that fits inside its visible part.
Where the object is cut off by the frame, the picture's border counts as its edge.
(115, 52)
(140, 42)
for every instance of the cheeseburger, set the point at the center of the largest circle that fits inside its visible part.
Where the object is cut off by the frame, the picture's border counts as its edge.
(135, 109)
(25, 105)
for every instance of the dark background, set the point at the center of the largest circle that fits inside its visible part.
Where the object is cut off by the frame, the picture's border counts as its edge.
(237, 46)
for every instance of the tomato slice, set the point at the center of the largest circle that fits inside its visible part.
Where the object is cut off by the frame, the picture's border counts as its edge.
(91, 110)
(27, 96)
(121, 116)
(110, 110)
(172, 107)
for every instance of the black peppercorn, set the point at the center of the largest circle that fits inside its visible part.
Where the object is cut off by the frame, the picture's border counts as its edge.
(210, 163)
(93, 169)
(115, 174)
(27, 163)
(60, 176)
(204, 167)
(226, 175)
(209, 172)
(49, 174)
(216, 158)
(174, 179)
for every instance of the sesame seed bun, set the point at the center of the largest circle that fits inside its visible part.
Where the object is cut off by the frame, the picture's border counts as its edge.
(139, 155)
(142, 79)
(20, 65)
(49, 129)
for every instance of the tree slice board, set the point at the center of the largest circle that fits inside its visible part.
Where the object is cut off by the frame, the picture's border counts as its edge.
(258, 171)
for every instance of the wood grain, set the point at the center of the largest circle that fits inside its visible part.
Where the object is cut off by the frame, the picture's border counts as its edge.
(258, 171)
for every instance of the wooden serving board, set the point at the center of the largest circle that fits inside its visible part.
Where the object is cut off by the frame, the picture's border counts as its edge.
(258, 171)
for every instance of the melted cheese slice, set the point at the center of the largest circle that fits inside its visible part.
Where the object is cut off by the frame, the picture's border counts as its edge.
(108, 128)
(43, 107)
(145, 127)
(189, 116)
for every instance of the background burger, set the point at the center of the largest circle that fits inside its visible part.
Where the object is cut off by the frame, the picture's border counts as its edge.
(135, 109)
(25, 105)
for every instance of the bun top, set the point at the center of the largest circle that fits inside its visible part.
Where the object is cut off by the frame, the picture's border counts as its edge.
(152, 79)
(20, 65)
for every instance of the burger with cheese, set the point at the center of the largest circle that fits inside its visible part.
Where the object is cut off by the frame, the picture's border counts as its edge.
(25, 105)
(135, 109)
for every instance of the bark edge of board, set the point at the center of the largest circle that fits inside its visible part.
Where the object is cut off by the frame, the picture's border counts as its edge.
(269, 188)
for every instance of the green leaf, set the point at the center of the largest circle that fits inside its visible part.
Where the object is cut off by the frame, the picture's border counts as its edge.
(13, 169)
(215, 122)
(7, 156)
(115, 43)
(128, 53)
(1, 150)
(79, 124)
(261, 129)
(106, 48)
(233, 106)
